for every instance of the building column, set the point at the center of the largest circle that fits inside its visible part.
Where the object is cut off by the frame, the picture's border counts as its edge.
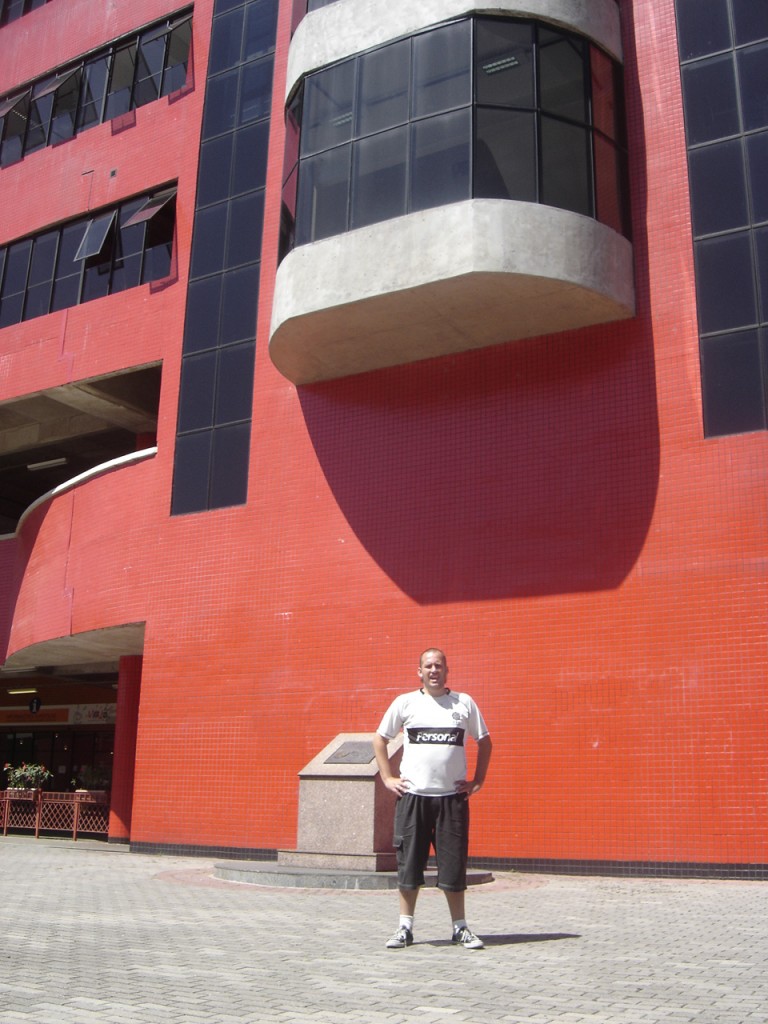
(124, 763)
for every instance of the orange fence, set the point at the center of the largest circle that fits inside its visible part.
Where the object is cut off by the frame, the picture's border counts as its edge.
(32, 810)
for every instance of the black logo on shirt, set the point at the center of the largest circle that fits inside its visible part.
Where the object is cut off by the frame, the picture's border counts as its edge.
(443, 737)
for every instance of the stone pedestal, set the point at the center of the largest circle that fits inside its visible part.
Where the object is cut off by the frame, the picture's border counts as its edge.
(345, 810)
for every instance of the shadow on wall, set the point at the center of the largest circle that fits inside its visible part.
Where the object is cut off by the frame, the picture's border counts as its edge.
(526, 469)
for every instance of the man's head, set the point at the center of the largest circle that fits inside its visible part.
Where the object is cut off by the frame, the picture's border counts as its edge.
(433, 671)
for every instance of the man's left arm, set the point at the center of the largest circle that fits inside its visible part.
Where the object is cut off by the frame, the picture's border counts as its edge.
(471, 786)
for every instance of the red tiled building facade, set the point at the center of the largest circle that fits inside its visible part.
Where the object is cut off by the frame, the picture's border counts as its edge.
(329, 335)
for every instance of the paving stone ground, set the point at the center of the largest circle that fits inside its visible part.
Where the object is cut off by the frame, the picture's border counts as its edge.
(94, 933)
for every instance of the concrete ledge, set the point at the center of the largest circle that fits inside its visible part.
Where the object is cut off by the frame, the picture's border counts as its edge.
(445, 280)
(269, 873)
(351, 26)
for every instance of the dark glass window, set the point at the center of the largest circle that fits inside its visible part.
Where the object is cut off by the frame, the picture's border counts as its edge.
(95, 76)
(120, 92)
(750, 18)
(378, 177)
(216, 394)
(14, 282)
(198, 380)
(530, 136)
(732, 370)
(175, 74)
(69, 270)
(441, 149)
(442, 69)
(711, 104)
(10, 10)
(724, 63)
(14, 129)
(40, 111)
(229, 465)
(718, 188)
(504, 64)
(703, 28)
(753, 82)
(726, 278)
(382, 100)
(150, 61)
(505, 155)
(234, 383)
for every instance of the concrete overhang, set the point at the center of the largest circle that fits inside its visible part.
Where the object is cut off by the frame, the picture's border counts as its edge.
(352, 26)
(442, 281)
(95, 647)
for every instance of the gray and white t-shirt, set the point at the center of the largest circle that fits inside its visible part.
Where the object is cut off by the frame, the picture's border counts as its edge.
(434, 731)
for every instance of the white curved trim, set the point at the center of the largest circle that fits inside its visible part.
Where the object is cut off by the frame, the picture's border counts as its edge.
(81, 478)
(352, 26)
(449, 279)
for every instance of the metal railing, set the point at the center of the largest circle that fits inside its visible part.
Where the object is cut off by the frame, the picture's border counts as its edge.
(86, 811)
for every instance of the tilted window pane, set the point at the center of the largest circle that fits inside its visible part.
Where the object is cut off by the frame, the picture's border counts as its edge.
(95, 236)
(65, 108)
(150, 60)
(321, 207)
(504, 63)
(14, 131)
(563, 75)
(128, 249)
(718, 188)
(43, 258)
(566, 166)
(95, 76)
(753, 81)
(703, 28)
(120, 93)
(382, 100)
(442, 75)
(441, 149)
(40, 109)
(505, 155)
(175, 75)
(379, 177)
(327, 113)
(17, 258)
(711, 105)
(732, 384)
(158, 244)
(726, 282)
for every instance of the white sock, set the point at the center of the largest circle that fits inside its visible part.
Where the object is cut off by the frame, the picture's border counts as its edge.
(461, 923)
(406, 921)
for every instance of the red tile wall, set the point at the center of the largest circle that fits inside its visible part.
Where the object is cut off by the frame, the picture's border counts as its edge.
(546, 511)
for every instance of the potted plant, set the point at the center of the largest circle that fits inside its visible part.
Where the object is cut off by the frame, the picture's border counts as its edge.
(27, 777)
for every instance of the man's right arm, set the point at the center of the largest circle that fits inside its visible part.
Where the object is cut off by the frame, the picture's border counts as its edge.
(392, 782)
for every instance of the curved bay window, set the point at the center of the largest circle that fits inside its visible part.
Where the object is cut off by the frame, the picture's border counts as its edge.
(478, 108)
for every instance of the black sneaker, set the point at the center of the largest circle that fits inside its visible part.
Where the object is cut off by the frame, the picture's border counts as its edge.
(464, 937)
(403, 937)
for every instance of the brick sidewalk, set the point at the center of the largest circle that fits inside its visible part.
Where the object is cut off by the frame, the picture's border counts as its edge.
(93, 933)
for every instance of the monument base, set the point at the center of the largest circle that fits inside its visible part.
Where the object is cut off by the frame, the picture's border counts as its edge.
(337, 861)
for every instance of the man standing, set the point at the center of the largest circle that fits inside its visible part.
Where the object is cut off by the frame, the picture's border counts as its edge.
(433, 791)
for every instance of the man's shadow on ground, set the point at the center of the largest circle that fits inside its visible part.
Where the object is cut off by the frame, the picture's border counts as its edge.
(515, 939)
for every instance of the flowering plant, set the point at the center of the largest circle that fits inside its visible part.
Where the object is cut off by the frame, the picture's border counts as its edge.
(28, 776)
